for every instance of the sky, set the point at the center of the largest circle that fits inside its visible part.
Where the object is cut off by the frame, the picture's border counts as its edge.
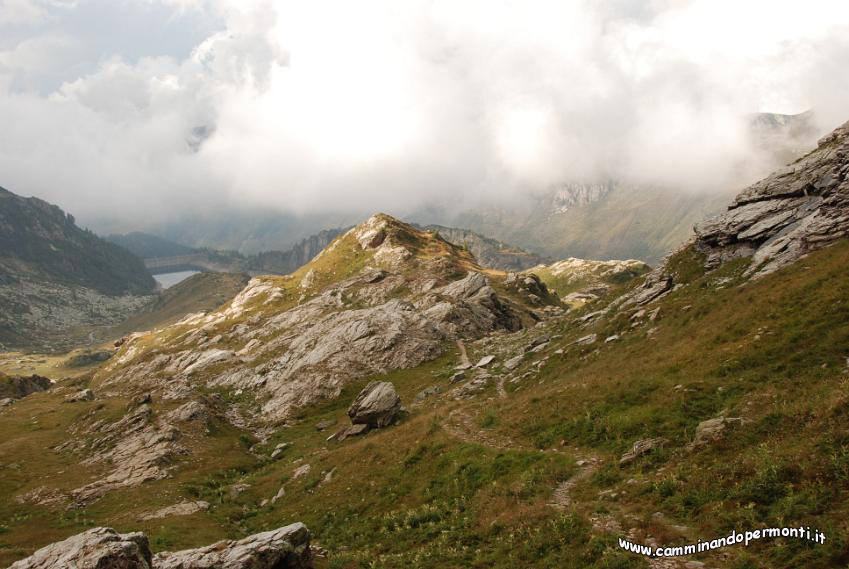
(133, 110)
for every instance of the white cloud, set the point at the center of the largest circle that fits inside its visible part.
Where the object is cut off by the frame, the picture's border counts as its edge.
(383, 105)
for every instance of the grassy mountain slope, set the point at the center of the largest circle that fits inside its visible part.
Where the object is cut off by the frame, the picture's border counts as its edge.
(467, 483)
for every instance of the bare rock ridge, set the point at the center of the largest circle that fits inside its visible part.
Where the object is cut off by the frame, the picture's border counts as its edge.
(382, 297)
(798, 209)
(103, 548)
(801, 207)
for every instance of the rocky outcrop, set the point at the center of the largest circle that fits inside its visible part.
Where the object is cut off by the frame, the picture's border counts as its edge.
(797, 209)
(99, 548)
(184, 509)
(17, 387)
(713, 430)
(103, 548)
(579, 281)
(641, 448)
(137, 448)
(80, 396)
(376, 406)
(529, 286)
(774, 222)
(284, 548)
(399, 311)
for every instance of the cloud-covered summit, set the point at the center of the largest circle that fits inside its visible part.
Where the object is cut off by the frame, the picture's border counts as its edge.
(148, 108)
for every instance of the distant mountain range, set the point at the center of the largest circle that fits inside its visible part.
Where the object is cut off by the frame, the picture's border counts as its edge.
(490, 253)
(156, 251)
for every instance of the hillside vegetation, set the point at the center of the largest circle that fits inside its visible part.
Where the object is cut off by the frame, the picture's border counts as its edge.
(40, 241)
(469, 482)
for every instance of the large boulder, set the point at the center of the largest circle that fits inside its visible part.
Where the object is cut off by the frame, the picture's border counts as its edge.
(376, 406)
(103, 548)
(284, 548)
(98, 548)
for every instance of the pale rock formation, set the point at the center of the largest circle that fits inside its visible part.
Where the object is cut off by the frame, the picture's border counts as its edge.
(713, 429)
(377, 405)
(184, 509)
(801, 207)
(640, 448)
(103, 548)
(98, 548)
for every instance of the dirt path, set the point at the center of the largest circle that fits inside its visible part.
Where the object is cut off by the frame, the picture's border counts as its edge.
(461, 425)
(561, 498)
(499, 387)
(464, 357)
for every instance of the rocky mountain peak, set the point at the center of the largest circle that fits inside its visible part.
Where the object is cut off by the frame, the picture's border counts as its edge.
(383, 296)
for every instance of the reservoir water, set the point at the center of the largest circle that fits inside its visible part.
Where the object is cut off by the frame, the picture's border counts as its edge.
(167, 280)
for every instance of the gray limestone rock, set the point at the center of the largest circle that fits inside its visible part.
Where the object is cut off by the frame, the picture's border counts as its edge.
(376, 406)
(713, 430)
(98, 548)
(84, 395)
(284, 548)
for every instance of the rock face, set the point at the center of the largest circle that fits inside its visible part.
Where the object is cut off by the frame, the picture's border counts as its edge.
(575, 195)
(284, 548)
(99, 548)
(376, 406)
(103, 548)
(138, 448)
(799, 208)
(18, 387)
